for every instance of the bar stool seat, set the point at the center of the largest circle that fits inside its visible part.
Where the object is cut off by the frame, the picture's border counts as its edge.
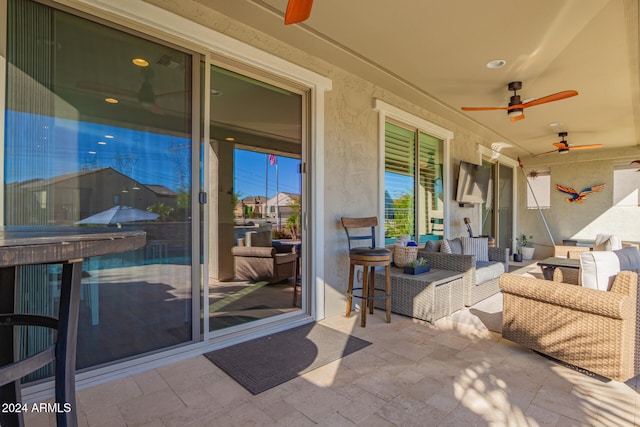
(369, 258)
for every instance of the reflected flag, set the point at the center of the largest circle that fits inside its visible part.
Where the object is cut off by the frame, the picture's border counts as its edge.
(272, 159)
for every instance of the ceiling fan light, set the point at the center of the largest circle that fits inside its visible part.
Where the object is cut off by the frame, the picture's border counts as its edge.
(496, 63)
(563, 151)
(516, 112)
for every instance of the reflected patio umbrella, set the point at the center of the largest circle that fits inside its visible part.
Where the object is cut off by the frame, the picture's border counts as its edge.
(118, 215)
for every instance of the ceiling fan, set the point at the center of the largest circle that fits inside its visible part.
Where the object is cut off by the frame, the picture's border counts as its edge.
(563, 146)
(515, 109)
(297, 11)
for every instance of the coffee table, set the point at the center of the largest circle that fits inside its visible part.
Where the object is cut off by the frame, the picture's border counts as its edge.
(427, 296)
(548, 265)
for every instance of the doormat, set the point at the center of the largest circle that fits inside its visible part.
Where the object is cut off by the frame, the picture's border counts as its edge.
(266, 362)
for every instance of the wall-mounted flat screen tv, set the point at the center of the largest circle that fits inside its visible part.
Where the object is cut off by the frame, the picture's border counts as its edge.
(473, 183)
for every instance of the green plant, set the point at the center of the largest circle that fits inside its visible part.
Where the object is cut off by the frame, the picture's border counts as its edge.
(523, 240)
(418, 262)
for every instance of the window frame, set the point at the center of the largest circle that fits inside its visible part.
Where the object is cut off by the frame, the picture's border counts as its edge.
(390, 113)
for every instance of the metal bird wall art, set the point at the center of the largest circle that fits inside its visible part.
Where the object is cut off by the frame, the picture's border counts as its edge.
(578, 197)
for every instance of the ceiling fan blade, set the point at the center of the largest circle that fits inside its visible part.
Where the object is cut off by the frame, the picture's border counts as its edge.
(546, 152)
(516, 118)
(482, 108)
(297, 11)
(560, 145)
(584, 147)
(550, 98)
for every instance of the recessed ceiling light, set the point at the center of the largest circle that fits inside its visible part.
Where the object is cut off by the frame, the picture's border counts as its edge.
(555, 124)
(111, 100)
(102, 143)
(230, 138)
(109, 136)
(92, 152)
(216, 92)
(140, 62)
(496, 63)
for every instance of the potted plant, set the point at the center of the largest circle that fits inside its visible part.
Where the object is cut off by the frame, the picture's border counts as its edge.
(418, 266)
(525, 252)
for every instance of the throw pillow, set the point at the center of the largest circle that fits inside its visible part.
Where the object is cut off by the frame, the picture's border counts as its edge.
(456, 246)
(629, 258)
(433, 245)
(607, 242)
(444, 247)
(477, 246)
(598, 269)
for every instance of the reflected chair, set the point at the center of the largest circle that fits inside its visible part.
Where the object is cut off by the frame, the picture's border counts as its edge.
(369, 257)
(257, 259)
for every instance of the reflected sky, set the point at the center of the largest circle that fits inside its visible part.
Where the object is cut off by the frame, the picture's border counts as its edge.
(39, 146)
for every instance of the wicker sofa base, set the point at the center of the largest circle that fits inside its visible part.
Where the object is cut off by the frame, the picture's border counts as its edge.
(428, 296)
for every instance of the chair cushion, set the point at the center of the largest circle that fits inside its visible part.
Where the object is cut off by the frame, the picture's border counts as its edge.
(477, 246)
(629, 258)
(486, 271)
(607, 242)
(598, 269)
(258, 238)
(364, 251)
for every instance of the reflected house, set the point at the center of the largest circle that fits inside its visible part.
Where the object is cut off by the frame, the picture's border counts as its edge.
(250, 207)
(66, 199)
(283, 205)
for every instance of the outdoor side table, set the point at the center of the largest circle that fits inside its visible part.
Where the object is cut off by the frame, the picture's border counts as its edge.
(427, 296)
(49, 245)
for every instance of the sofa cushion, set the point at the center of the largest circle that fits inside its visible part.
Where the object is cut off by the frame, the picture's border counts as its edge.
(258, 238)
(629, 258)
(433, 245)
(477, 246)
(486, 271)
(598, 269)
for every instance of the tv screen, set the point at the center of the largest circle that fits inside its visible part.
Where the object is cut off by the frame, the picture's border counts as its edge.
(473, 183)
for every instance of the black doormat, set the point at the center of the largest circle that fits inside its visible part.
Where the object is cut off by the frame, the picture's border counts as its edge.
(266, 362)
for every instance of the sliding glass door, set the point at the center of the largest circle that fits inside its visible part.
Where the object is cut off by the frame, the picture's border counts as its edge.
(256, 239)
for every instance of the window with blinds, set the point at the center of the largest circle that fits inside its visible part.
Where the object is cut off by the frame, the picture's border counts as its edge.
(413, 184)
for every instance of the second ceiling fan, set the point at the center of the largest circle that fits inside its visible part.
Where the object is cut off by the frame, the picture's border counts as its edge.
(515, 109)
(563, 146)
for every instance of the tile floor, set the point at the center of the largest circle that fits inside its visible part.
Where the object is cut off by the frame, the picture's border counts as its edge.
(453, 373)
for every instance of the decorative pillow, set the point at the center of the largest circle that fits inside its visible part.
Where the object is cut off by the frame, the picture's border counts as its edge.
(629, 258)
(456, 246)
(598, 269)
(444, 247)
(433, 245)
(478, 246)
(607, 242)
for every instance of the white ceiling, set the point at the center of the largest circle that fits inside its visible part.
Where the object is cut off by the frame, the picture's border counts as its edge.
(434, 52)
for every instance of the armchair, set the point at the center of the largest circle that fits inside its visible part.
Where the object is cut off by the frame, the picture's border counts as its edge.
(260, 261)
(481, 278)
(588, 328)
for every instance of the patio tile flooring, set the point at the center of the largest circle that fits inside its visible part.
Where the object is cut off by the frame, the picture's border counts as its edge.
(453, 373)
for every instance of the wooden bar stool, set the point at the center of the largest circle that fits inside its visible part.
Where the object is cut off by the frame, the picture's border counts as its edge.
(369, 257)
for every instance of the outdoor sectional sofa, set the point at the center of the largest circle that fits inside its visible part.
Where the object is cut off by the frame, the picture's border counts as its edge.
(481, 278)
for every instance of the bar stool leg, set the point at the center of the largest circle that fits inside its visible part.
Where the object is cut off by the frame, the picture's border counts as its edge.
(365, 297)
(350, 290)
(387, 291)
(372, 288)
